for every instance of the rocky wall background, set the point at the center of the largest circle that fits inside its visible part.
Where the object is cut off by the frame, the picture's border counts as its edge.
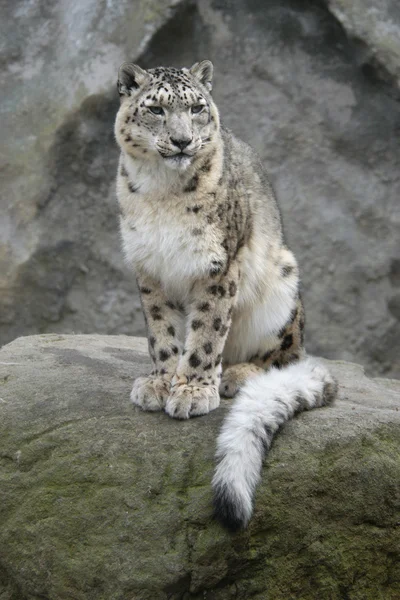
(313, 85)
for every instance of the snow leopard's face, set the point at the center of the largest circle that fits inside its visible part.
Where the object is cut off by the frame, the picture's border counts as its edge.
(166, 114)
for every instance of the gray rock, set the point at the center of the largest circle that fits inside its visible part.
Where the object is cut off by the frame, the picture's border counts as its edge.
(100, 501)
(316, 100)
(375, 28)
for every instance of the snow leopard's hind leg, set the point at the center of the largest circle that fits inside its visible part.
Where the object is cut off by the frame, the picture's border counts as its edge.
(278, 350)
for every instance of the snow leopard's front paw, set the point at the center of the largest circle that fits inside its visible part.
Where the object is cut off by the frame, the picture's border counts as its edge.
(187, 400)
(150, 393)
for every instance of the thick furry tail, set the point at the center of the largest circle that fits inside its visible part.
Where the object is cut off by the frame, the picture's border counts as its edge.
(265, 402)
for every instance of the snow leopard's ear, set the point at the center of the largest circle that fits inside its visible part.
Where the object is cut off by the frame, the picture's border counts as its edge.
(203, 71)
(130, 78)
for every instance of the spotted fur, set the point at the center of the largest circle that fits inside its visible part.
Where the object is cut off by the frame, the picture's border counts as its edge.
(219, 288)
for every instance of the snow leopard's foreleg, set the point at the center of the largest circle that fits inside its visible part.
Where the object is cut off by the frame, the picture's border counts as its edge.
(165, 325)
(195, 386)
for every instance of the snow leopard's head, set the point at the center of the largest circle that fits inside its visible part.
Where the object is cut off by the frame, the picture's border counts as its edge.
(166, 114)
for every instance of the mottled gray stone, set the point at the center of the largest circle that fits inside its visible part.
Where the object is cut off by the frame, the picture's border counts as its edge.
(314, 91)
(375, 27)
(101, 501)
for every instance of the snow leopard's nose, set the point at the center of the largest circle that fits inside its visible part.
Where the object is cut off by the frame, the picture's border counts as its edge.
(181, 144)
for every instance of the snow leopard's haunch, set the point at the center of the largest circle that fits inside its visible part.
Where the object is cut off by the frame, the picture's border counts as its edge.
(264, 403)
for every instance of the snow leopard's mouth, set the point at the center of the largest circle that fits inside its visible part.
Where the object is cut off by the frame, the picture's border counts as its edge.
(180, 160)
(178, 156)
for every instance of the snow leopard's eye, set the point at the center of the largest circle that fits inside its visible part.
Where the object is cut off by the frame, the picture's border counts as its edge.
(156, 110)
(197, 108)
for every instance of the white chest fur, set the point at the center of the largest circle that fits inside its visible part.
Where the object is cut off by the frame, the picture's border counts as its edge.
(165, 249)
(161, 237)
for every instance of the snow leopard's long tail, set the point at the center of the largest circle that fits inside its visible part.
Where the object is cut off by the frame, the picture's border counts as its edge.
(265, 402)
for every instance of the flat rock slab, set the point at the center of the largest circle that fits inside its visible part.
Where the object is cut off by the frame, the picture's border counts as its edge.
(99, 500)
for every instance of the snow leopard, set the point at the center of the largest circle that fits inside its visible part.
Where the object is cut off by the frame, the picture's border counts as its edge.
(201, 230)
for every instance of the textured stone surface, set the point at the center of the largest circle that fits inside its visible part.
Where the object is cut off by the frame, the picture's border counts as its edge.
(320, 106)
(99, 501)
(375, 26)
